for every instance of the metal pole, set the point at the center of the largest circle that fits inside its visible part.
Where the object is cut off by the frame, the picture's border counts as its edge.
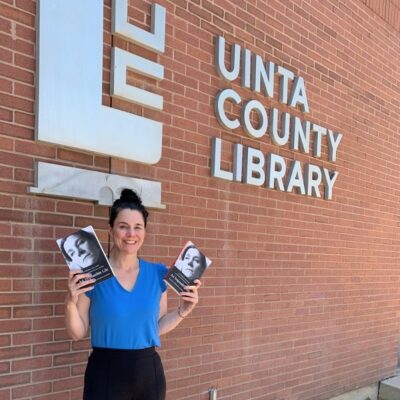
(212, 394)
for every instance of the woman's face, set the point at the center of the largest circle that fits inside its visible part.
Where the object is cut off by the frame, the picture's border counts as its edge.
(191, 262)
(128, 232)
(82, 251)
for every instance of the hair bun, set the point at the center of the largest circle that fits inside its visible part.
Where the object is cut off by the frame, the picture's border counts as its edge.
(130, 195)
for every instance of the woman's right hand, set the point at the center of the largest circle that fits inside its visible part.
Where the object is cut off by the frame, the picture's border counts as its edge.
(78, 283)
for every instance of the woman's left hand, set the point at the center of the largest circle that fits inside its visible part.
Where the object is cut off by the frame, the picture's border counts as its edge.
(189, 298)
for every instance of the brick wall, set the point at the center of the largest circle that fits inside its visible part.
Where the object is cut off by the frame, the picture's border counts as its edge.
(302, 299)
(389, 10)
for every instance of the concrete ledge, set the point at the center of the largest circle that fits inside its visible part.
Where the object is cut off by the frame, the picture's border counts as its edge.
(389, 389)
(365, 393)
(84, 184)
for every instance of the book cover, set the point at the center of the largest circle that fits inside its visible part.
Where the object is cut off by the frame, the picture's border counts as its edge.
(82, 249)
(188, 266)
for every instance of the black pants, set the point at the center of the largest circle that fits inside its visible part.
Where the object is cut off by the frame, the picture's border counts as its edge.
(113, 374)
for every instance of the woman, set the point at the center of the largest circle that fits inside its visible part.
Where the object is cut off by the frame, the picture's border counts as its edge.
(127, 313)
(192, 263)
(80, 249)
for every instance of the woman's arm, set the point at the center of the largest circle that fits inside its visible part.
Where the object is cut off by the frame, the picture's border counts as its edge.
(169, 321)
(77, 305)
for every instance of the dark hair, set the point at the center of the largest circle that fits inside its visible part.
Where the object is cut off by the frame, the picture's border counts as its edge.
(128, 200)
(202, 260)
(81, 233)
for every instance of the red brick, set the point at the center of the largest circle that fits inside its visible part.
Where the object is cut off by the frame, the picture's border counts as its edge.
(11, 325)
(74, 156)
(4, 367)
(6, 143)
(50, 374)
(61, 334)
(32, 311)
(48, 297)
(53, 219)
(25, 32)
(78, 369)
(14, 379)
(25, 62)
(81, 345)
(5, 340)
(202, 13)
(49, 323)
(34, 203)
(6, 56)
(12, 187)
(74, 208)
(32, 257)
(189, 17)
(45, 244)
(6, 173)
(5, 312)
(5, 394)
(37, 231)
(33, 337)
(72, 358)
(15, 298)
(51, 348)
(12, 271)
(15, 160)
(18, 15)
(16, 131)
(96, 222)
(23, 175)
(6, 202)
(14, 352)
(24, 119)
(31, 363)
(52, 271)
(18, 74)
(67, 384)
(31, 390)
(8, 242)
(56, 396)
(26, 147)
(5, 25)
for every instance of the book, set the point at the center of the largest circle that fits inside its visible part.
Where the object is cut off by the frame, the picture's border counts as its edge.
(190, 265)
(82, 249)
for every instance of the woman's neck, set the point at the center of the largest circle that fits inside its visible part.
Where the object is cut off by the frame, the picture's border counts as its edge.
(126, 262)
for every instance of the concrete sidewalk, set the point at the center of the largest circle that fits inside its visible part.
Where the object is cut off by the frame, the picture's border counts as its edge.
(389, 389)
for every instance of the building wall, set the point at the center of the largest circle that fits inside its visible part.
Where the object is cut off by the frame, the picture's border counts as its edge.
(302, 299)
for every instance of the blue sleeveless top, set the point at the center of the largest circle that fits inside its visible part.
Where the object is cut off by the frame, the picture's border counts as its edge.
(120, 319)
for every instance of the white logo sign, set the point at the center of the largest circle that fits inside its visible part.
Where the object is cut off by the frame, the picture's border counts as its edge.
(69, 87)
